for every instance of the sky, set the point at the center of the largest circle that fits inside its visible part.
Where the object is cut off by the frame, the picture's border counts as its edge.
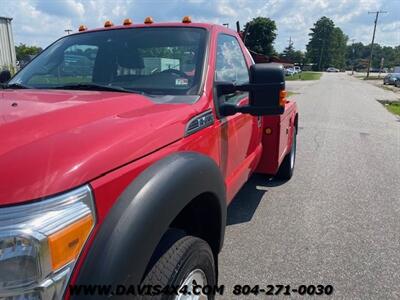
(40, 22)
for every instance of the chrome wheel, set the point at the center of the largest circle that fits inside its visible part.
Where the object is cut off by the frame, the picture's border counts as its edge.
(195, 278)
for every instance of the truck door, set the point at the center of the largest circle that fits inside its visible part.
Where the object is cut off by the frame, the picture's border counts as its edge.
(239, 133)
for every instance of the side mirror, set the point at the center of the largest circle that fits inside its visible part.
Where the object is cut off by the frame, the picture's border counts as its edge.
(267, 89)
(5, 76)
(266, 92)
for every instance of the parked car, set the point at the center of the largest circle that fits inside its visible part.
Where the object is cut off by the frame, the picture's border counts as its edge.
(397, 83)
(331, 69)
(297, 69)
(290, 72)
(391, 78)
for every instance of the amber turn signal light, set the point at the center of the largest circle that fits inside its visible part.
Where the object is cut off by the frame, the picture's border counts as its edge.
(108, 23)
(82, 28)
(66, 244)
(282, 98)
(148, 20)
(128, 21)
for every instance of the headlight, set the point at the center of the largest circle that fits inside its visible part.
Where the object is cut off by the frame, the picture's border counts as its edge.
(40, 243)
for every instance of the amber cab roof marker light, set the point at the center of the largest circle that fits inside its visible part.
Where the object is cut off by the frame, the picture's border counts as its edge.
(148, 20)
(108, 23)
(82, 28)
(128, 21)
(186, 19)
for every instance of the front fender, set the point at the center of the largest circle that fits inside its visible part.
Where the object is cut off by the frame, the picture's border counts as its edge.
(135, 224)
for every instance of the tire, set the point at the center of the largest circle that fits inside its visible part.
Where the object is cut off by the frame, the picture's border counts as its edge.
(287, 167)
(188, 258)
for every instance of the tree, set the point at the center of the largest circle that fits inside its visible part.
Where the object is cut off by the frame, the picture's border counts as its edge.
(23, 51)
(289, 51)
(327, 45)
(290, 54)
(260, 35)
(359, 53)
(354, 53)
(319, 42)
(337, 50)
(299, 57)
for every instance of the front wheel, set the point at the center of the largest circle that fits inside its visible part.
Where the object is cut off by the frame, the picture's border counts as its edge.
(188, 263)
(287, 167)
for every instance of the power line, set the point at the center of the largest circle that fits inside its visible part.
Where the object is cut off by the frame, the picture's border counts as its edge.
(68, 30)
(373, 36)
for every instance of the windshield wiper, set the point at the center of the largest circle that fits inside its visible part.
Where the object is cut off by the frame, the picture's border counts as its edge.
(15, 86)
(93, 87)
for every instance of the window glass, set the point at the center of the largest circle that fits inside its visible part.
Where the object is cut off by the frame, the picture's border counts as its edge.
(231, 66)
(76, 66)
(158, 61)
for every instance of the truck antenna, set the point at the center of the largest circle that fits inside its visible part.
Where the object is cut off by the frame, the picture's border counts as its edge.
(238, 27)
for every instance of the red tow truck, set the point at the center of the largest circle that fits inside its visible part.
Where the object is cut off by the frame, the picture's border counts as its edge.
(121, 148)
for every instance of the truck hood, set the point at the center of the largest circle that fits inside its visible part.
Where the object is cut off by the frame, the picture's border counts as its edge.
(52, 141)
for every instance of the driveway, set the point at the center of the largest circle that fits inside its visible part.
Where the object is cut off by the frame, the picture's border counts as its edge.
(337, 221)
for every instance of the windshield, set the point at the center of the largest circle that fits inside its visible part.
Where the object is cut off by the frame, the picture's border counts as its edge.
(160, 61)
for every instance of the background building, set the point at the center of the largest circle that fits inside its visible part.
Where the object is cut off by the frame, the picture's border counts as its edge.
(7, 47)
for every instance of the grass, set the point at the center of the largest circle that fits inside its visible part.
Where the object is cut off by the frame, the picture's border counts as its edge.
(385, 87)
(369, 78)
(305, 76)
(392, 106)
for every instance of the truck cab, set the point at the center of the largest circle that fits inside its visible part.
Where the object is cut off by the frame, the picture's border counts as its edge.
(121, 149)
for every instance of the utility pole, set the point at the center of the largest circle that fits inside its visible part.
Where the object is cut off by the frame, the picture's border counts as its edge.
(381, 66)
(352, 56)
(290, 51)
(373, 36)
(320, 54)
(290, 42)
(68, 30)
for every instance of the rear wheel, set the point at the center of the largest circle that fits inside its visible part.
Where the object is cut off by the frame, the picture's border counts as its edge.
(189, 262)
(287, 167)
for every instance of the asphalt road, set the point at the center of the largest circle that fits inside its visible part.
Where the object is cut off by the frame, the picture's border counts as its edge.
(337, 221)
